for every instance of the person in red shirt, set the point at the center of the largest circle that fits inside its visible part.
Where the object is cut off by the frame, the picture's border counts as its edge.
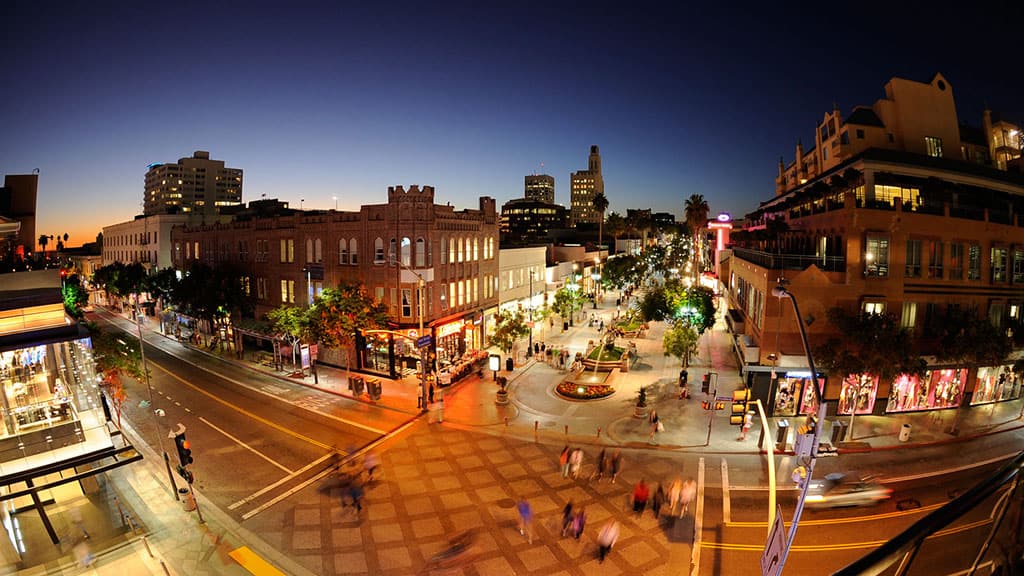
(640, 494)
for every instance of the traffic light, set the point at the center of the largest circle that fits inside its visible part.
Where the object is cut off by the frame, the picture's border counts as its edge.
(705, 383)
(186, 474)
(739, 406)
(705, 404)
(184, 449)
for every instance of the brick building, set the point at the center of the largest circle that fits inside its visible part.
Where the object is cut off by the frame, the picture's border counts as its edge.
(289, 256)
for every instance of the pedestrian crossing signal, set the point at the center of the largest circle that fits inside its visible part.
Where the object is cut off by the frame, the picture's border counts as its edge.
(739, 406)
(705, 405)
(719, 405)
(705, 384)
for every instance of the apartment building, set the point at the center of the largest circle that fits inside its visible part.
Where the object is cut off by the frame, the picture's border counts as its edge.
(196, 185)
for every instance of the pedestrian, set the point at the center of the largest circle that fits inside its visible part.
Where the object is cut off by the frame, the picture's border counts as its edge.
(525, 519)
(576, 462)
(686, 496)
(601, 465)
(76, 518)
(370, 463)
(567, 518)
(602, 325)
(355, 492)
(579, 519)
(563, 460)
(543, 347)
(640, 495)
(657, 500)
(536, 348)
(674, 494)
(606, 538)
(419, 396)
(655, 424)
(616, 463)
(748, 421)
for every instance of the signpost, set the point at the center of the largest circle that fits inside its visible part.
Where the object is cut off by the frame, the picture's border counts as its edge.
(771, 558)
(424, 341)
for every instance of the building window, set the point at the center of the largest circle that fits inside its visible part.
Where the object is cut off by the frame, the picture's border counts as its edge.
(908, 319)
(892, 139)
(353, 251)
(421, 253)
(876, 257)
(913, 259)
(378, 293)
(462, 292)
(974, 262)
(476, 290)
(392, 254)
(444, 250)
(933, 146)
(288, 291)
(996, 312)
(998, 255)
(459, 244)
(287, 250)
(476, 249)
(844, 137)
(261, 288)
(451, 253)
(378, 251)
(873, 307)
(406, 302)
(406, 251)
(309, 250)
(318, 251)
(956, 261)
(1018, 265)
(860, 134)
(451, 294)
(935, 259)
(342, 251)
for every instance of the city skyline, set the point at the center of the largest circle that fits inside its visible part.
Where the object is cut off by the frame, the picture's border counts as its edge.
(344, 102)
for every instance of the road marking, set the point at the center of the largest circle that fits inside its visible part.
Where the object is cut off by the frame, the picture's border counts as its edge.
(253, 563)
(263, 491)
(726, 504)
(847, 520)
(698, 521)
(246, 446)
(844, 546)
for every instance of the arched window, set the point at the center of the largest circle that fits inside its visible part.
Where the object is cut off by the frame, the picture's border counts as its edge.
(444, 250)
(353, 247)
(392, 253)
(309, 249)
(421, 253)
(342, 251)
(476, 249)
(406, 251)
(378, 251)
(318, 251)
(459, 244)
(451, 255)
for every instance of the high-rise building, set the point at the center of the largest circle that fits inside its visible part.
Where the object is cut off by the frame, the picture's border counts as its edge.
(18, 202)
(192, 185)
(526, 221)
(583, 186)
(540, 187)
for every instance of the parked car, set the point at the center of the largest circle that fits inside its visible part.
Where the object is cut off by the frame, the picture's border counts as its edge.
(837, 490)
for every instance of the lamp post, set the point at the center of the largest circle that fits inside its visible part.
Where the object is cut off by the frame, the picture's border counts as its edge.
(335, 201)
(420, 282)
(781, 292)
(529, 304)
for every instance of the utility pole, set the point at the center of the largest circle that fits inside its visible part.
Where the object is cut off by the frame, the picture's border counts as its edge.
(420, 283)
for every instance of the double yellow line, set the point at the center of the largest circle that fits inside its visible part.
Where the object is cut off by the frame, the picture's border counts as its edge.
(830, 521)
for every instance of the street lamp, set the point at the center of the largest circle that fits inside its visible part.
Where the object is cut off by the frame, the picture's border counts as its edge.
(781, 292)
(420, 282)
(529, 304)
(335, 202)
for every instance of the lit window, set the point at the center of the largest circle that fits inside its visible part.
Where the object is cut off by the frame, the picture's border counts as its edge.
(933, 146)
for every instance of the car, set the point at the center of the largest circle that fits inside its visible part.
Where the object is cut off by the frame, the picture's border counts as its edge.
(837, 490)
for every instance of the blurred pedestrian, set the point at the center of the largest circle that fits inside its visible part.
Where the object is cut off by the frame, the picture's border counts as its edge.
(601, 465)
(567, 518)
(525, 519)
(370, 463)
(563, 460)
(748, 421)
(579, 519)
(576, 462)
(657, 500)
(607, 537)
(686, 496)
(616, 465)
(654, 422)
(640, 495)
(355, 492)
(675, 492)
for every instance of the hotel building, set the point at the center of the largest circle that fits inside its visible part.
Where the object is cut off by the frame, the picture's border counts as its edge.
(583, 186)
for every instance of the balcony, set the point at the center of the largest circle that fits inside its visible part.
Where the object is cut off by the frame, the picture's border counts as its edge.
(790, 261)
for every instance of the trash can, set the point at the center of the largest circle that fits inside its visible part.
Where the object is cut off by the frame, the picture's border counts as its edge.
(905, 433)
(188, 501)
(838, 431)
(509, 364)
(565, 326)
(357, 386)
(782, 435)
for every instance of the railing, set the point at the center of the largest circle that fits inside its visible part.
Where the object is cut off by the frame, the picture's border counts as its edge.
(790, 261)
(998, 553)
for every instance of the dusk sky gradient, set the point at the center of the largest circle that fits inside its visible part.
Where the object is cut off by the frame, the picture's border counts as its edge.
(317, 99)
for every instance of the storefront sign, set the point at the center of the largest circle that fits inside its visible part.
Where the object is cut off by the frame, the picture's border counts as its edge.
(449, 329)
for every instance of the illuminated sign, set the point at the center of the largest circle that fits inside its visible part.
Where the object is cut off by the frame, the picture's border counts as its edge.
(449, 329)
(724, 217)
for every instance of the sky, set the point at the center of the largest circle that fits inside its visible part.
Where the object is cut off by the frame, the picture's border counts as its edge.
(321, 99)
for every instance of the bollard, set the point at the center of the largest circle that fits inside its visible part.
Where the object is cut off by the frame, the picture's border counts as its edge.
(164, 566)
(598, 432)
(506, 421)
(536, 424)
(566, 430)
(145, 540)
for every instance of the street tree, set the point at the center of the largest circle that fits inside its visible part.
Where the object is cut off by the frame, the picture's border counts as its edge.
(292, 323)
(968, 339)
(656, 305)
(567, 301)
(115, 358)
(213, 294)
(161, 286)
(509, 327)
(681, 341)
(616, 226)
(338, 314)
(600, 203)
(872, 344)
(75, 296)
(696, 215)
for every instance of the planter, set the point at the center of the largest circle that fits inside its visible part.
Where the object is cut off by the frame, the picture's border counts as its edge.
(501, 398)
(640, 411)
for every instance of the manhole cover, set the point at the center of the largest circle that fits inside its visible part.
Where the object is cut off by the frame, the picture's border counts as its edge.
(506, 503)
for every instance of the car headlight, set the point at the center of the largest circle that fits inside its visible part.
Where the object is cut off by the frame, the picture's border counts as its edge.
(814, 498)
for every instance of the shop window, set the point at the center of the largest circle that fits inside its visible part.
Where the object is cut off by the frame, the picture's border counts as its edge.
(913, 266)
(421, 253)
(974, 262)
(378, 251)
(876, 257)
(908, 319)
(956, 261)
(1018, 265)
(858, 394)
(937, 389)
(998, 256)
(342, 251)
(353, 251)
(996, 384)
(935, 253)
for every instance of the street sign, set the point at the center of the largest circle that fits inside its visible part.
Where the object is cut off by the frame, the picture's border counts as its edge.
(771, 558)
(424, 341)
(723, 398)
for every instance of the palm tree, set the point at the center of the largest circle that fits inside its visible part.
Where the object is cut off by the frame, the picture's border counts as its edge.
(696, 215)
(43, 241)
(616, 226)
(600, 204)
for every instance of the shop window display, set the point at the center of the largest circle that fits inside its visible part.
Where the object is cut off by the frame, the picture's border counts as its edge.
(858, 391)
(938, 389)
(792, 391)
(995, 384)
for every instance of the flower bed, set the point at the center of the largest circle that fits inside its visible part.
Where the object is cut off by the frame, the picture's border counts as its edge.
(584, 392)
(602, 355)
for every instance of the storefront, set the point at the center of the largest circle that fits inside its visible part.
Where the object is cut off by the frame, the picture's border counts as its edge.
(996, 384)
(858, 390)
(394, 354)
(49, 399)
(388, 354)
(794, 394)
(936, 390)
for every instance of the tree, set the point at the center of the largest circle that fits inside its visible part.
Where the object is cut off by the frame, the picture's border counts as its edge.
(213, 294)
(292, 322)
(655, 305)
(616, 226)
(568, 301)
(968, 339)
(872, 344)
(696, 215)
(510, 326)
(681, 340)
(161, 285)
(339, 313)
(43, 241)
(75, 296)
(622, 270)
(600, 203)
(115, 357)
(694, 305)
